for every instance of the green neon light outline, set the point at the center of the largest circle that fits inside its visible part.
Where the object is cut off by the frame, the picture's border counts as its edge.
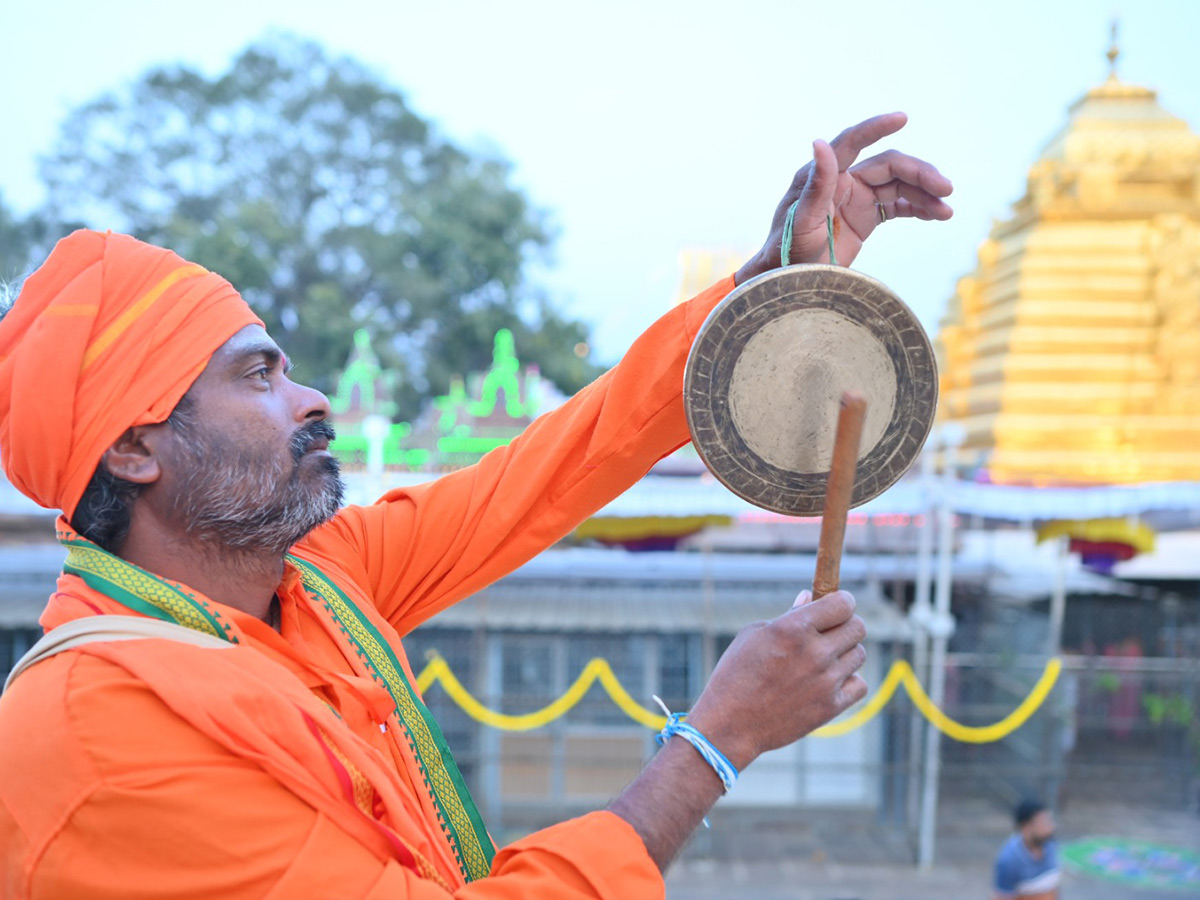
(362, 371)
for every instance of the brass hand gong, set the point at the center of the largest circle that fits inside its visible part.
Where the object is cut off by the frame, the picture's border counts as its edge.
(767, 371)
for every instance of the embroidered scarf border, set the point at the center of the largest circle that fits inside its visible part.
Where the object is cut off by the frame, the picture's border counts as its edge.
(141, 591)
(458, 814)
(158, 598)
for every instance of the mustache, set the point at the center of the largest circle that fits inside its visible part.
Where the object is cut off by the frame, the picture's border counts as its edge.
(307, 436)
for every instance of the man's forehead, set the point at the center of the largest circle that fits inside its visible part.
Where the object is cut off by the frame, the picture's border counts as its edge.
(248, 341)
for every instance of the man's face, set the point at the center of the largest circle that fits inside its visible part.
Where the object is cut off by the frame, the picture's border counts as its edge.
(1040, 829)
(249, 466)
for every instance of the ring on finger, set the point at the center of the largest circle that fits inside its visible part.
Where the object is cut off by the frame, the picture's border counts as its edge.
(882, 210)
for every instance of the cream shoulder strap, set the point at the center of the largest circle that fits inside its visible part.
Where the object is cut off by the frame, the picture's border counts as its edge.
(108, 628)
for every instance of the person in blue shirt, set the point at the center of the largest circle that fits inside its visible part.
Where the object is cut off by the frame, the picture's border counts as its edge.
(1027, 864)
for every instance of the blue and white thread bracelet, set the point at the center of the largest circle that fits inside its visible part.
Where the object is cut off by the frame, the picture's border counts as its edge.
(677, 727)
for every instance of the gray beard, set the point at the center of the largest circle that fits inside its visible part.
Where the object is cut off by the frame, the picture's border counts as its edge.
(234, 500)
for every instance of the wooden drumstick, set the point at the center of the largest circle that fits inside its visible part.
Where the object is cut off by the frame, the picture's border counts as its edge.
(837, 492)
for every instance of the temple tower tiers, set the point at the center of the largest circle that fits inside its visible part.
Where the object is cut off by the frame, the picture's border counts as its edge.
(1071, 355)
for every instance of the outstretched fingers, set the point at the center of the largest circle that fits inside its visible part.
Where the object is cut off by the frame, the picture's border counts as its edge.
(892, 165)
(902, 199)
(903, 209)
(892, 176)
(857, 138)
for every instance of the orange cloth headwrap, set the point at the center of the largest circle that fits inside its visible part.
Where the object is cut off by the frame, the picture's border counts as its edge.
(109, 333)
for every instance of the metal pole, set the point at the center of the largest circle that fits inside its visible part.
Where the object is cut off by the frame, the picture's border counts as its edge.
(708, 592)
(1053, 749)
(940, 628)
(1058, 600)
(490, 750)
(918, 617)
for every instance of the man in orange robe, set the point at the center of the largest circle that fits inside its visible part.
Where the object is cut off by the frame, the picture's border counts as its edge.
(247, 726)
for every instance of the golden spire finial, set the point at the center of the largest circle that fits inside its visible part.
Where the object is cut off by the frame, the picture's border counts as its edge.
(1113, 52)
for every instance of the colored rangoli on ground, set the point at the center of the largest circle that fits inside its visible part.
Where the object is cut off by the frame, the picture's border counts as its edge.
(1135, 863)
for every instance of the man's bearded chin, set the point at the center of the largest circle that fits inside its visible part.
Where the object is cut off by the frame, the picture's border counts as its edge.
(247, 500)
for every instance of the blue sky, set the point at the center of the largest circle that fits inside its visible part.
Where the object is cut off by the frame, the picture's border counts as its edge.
(647, 127)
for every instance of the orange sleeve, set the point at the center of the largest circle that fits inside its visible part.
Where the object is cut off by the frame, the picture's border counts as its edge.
(423, 548)
(596, 857)
(156, 808)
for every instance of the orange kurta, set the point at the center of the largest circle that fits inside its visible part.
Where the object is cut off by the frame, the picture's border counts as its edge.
(152, 769)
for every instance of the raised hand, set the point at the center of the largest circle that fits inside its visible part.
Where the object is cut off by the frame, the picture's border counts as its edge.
(859, 197)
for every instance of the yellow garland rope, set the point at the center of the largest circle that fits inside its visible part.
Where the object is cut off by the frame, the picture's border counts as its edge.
(597, 669)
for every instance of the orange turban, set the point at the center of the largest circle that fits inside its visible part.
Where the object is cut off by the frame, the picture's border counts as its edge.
(109, 333)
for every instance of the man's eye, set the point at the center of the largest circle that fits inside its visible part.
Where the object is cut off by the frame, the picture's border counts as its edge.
(264, 373)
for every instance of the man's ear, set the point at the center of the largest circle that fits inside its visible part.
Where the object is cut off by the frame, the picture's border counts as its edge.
(133, 457)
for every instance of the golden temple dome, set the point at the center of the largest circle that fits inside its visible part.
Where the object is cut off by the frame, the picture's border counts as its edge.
(1072, 353)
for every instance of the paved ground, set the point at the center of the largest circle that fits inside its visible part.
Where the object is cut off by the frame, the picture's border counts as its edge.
(831, 856)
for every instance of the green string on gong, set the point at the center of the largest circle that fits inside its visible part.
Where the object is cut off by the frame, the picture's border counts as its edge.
(785, 250)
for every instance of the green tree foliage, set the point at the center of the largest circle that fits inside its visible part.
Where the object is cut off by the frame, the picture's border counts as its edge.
(312, 186)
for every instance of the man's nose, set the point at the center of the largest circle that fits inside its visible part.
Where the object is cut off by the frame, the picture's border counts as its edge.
(311, 404)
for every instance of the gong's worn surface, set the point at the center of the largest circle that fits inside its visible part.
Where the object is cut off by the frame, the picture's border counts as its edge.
(767, 371)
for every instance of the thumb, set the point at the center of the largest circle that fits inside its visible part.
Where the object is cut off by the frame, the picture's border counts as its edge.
(802, 598)
(817, 196)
